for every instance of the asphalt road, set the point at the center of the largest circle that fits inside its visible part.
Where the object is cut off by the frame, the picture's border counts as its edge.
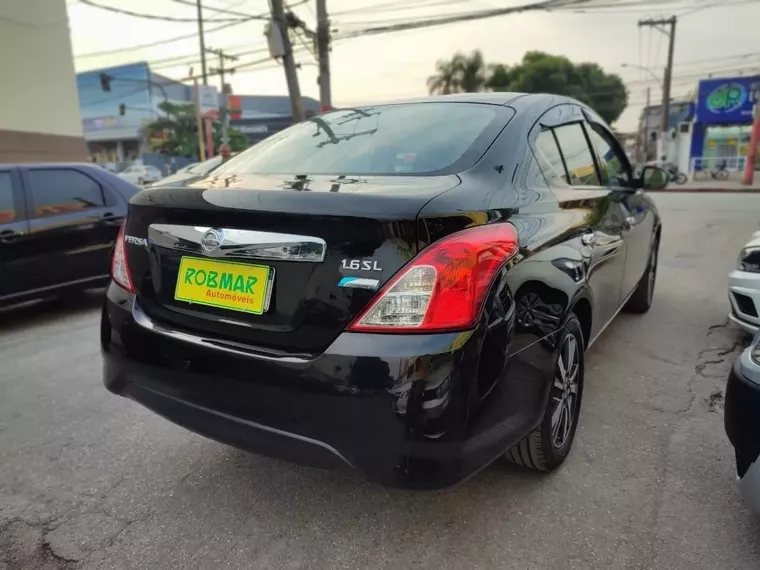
(90, 480)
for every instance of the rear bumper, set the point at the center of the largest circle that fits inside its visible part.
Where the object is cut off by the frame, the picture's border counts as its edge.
(742, 422)
(398, 409)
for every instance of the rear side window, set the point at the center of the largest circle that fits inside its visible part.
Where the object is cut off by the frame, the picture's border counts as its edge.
(417, 138)
(7, 208)
(58, 191)
(577, 154)
(550, 159)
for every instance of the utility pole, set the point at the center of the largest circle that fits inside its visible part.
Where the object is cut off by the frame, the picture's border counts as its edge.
(642, 143)
(281, 26)
(665, 117)
(646, 124)
(323, 55)
(198, 122)
(224, 91)
(204, 74)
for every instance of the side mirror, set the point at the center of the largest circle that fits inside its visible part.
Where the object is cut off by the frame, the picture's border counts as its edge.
(653, 178)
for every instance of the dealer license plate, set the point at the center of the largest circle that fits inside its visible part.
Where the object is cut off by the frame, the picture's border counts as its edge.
(224, 284)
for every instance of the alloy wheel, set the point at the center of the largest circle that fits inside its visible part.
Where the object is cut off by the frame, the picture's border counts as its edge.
(564, 395)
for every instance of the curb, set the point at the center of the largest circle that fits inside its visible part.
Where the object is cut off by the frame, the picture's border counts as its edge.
(717, 189)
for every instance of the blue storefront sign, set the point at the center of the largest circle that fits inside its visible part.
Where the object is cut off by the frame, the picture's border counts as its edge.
(725, 101)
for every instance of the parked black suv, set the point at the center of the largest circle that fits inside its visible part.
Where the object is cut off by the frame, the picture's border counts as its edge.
(58, 223)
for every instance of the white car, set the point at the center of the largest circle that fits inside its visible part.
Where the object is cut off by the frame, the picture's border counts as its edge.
(744, 287)
(141, 174)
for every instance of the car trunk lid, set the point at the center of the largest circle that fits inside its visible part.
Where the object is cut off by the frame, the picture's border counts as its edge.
(280, 263)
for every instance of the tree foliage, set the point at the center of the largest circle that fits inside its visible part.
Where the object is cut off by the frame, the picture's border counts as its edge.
(177, 134)
(462, 74)
(538, 72)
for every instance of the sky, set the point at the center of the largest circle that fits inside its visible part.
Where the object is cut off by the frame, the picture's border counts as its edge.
(718, 40)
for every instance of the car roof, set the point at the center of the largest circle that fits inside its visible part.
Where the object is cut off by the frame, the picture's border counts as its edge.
(520, 101)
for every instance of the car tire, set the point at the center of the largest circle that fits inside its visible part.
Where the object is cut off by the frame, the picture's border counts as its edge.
(641, 300)
(547, 446)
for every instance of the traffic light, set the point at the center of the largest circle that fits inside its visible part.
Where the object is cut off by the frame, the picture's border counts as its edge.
(105, 82)
(122, 109)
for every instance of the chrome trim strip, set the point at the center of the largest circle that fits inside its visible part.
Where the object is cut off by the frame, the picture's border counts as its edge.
(246, 244)
(56, 286)
(230, 347)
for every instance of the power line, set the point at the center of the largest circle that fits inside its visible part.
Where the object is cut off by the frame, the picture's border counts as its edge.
(650, 5)
(226, 11)
(378, 28)
(157, 43)
(397, 25)
(150, 16)
(398, 5)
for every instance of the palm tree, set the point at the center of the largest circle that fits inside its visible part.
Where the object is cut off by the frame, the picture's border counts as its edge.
(445, 81)
(473, 72)
(460, 74)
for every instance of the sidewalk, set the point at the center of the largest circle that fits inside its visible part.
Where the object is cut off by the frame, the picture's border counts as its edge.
(712, 186)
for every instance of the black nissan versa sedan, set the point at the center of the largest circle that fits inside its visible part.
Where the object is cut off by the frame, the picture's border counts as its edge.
(407, 289)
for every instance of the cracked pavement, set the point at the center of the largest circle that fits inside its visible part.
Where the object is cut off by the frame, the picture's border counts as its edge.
(92, 481)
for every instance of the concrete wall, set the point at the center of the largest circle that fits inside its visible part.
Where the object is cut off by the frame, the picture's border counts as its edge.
(39, 107)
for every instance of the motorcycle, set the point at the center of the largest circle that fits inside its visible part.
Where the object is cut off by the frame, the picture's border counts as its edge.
(674, 175)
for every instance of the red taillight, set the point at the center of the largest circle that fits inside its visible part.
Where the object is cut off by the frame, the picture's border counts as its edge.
(119, 267)
(444, 287)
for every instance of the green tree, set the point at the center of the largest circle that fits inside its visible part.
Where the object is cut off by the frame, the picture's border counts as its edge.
(176, 133)
(540, 72)
(460, 74)
(445, 80)
(499, 77)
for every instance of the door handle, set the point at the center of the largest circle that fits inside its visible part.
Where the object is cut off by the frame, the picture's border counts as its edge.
(9, 236)
(588, 239)
(111, 219)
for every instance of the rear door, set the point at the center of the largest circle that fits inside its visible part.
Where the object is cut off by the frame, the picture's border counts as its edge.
(566, 156)
(638, 225)
(72, 224)
(16, 271)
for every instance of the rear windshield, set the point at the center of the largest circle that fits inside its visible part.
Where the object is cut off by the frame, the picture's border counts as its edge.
(416, 138)
(205, 166)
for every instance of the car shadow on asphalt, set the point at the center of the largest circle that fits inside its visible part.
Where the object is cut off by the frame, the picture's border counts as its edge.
(46, 311)
(243, 481)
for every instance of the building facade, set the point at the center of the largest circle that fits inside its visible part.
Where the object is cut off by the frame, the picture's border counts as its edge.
(649, 126)
(37, 63)
(709, 132)
(723, 122)
(115, 138)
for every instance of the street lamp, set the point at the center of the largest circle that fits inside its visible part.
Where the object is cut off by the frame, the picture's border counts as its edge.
(644, 68)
